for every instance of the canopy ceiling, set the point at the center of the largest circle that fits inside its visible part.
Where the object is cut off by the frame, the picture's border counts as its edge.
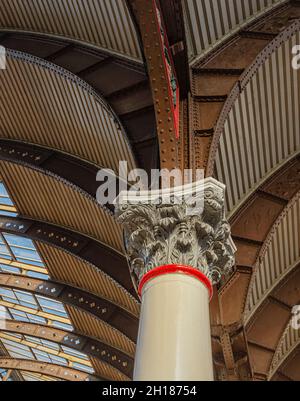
(56, 109)
(22, 303)
(208, 23)
(262, 128)
(104, 24)
(98, 110)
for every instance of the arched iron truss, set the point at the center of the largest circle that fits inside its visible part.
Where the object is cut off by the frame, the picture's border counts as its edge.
(275, 192)
(287, 350)
(48, 369)
(255, 42)
(79, 245)
(217, 81)
(72, 170)
(91, 347)
(251, 307)
(130, 97)
(219, 77)
(100, 308)
(249, 235)
(272, 309)
(47, 65)
(243, 80)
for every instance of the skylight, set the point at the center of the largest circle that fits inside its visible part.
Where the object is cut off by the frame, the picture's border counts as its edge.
(27, 347)
(18, 255)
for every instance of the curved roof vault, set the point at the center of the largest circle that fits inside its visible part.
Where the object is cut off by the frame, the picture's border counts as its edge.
(63, 109)
(72, 340)
(219, 79)
(262, 129)
(286, 356)
(29, 297)
(44, 368)
(279, 256)
(256, 120)
(106, 56)
(42, 197)
(107, 25)
(36, 301)
(76, 172)
(251, 227)
(48, 109)
(273, 293)
(97, 306)
(81, 247)
(245, 101)
(266, 232)
(209, 23)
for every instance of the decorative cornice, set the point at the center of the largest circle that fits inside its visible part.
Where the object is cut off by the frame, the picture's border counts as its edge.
(189, 229)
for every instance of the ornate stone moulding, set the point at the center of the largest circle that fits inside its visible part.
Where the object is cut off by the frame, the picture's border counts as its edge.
(182, 225)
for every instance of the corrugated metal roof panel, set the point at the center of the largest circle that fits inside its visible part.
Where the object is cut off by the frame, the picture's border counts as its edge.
(262, 130)
(44, 198)
(66, 268)
(284, 252)
(208, 22)
(287, 344)
(51, 108)
(106, 24)
(85, 323)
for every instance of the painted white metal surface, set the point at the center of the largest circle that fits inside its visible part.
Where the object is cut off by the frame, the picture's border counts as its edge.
(174, 336)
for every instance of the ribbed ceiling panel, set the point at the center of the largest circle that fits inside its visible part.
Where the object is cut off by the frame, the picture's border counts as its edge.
(66, 268)
(85, 323)
(263, 128)
(51, 108)
(289, 342)
(44, 198)
(105, 370)
(210, 21)
(281, 255)
(106, 24)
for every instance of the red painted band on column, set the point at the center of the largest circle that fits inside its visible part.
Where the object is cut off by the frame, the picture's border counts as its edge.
(169, 269)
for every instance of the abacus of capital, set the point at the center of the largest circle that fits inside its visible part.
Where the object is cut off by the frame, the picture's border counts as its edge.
(176, 253)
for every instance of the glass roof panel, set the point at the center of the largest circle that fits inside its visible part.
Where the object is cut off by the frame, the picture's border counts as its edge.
(3, 375)
(5, 198)
(7, 207)
(29, 306)
(27, 347)
(22, 249)
(29, 376)
(18, 255)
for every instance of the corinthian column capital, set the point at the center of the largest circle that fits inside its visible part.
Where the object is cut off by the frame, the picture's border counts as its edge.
(185, 226)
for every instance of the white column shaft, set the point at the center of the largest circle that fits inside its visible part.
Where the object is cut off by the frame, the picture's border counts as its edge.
(174, 341)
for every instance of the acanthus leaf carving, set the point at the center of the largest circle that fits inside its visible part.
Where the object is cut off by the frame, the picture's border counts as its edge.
(163, 234)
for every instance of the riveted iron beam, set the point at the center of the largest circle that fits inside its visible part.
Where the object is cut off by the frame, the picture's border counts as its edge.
(78, 342)
(147, 19)
(97, 307)
(48, 369)
(79, 245)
